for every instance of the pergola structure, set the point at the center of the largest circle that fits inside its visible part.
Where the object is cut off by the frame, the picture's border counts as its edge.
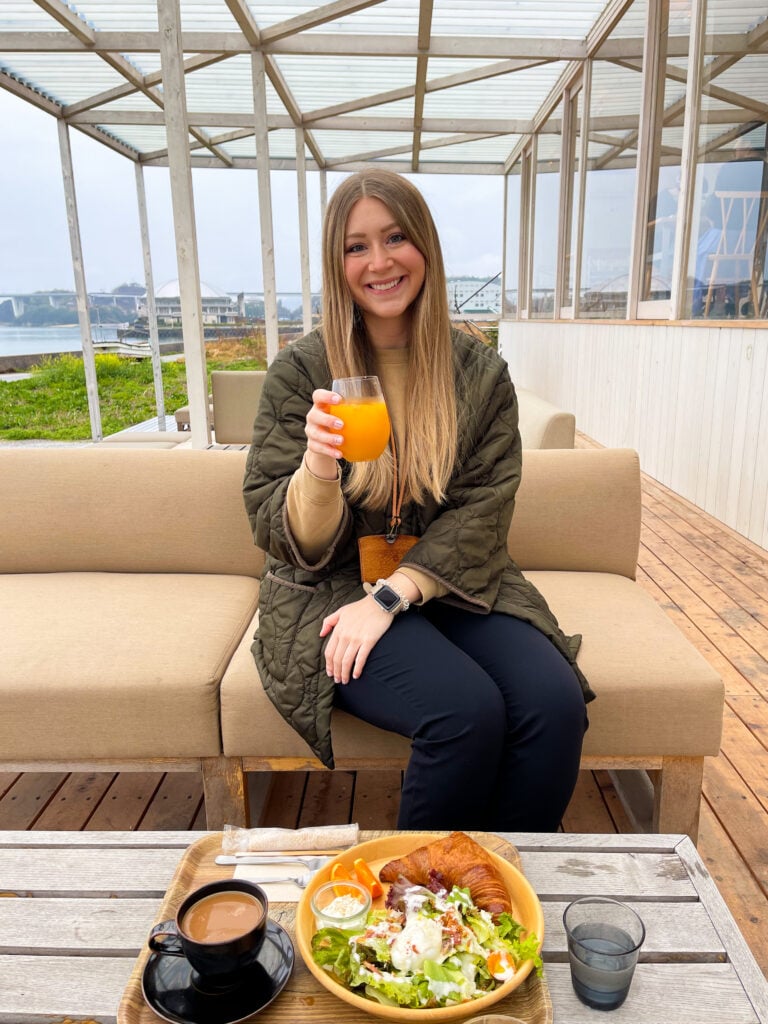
(490, 87)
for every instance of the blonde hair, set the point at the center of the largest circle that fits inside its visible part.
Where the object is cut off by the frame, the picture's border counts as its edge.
(429, 445)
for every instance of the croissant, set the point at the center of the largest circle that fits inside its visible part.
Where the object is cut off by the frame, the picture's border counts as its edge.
(455, 860)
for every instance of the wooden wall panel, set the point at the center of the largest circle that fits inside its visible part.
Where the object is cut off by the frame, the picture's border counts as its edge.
(691, 399)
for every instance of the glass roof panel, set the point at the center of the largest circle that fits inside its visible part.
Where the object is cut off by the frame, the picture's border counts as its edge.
(63, 77)
(141, 15)
(282, 145)
(727, 16)
(749, 76)
(401, 108)
(147, 63)
(342, 145)
(632, 24)
(318, 82)
(392, 17)
(616, 91)
(227, 86)
(26, 16)
(568, 19)
(517, 95)
(136, 101)
(145, 138)
(493, 150)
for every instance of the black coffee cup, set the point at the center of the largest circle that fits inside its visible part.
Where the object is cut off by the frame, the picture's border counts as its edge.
(219, 934)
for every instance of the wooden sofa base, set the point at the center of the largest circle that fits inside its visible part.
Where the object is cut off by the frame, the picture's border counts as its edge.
(659, 794)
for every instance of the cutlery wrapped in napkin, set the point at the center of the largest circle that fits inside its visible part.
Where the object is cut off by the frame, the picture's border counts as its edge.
(320, 837)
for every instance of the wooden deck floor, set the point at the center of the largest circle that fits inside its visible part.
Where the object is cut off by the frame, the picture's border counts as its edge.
(711, 581)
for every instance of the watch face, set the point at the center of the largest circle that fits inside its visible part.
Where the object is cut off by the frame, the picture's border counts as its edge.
(387, 598)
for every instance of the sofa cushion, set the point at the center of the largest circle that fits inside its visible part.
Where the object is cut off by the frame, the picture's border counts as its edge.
(655, 693)
(578, 510)
(116, 664)
(109, 508)
(251, 726)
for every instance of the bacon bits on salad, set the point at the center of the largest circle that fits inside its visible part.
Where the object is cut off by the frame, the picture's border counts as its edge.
(426, 949)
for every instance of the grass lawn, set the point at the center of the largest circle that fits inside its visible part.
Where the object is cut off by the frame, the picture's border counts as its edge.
(52, 404)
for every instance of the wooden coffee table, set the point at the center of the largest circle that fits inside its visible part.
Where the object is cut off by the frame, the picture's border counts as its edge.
(86, 901)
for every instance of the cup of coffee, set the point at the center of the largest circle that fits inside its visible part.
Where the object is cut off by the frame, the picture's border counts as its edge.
(219, 928)
(604, 940)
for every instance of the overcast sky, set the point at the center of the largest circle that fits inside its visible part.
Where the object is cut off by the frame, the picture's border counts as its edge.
(34, 241)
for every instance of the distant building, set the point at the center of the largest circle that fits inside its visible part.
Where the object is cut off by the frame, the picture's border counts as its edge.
(474, 295)
(218, 307)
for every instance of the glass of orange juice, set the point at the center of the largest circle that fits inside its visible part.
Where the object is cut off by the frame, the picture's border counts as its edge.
(364, 414)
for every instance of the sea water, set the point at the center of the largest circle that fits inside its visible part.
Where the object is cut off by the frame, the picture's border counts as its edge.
(16, 341)
(603, 960)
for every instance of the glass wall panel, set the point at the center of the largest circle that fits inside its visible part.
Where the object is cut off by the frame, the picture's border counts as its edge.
(664, 185)
(512, 250)
(546, 212)
(727, 257)
(611, 170)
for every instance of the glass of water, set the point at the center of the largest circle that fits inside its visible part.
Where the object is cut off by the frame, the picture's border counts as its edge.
(604, 939)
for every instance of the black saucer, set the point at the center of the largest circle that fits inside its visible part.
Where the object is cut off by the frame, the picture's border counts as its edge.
(167, 984)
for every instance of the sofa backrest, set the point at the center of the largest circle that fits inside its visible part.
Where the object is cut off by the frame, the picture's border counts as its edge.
(235, 396)
(578, 510)
(543, 425)
(111, 510)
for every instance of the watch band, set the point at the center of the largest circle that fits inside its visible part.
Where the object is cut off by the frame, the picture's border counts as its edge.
(387, 597)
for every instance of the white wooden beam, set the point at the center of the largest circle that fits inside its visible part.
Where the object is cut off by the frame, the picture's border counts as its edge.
(149, 284)
(182, 199)
(586, 103)
(685, 211)
(301, 188)
(320, 15)
(72, 22)
(423, 40)
(649, 135)
(258, 72)
(242, 14)
(81, 290)
(323, 193)
(11, 85)
(349, 44)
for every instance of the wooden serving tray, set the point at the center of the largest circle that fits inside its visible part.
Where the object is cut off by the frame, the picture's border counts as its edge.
(303, 998)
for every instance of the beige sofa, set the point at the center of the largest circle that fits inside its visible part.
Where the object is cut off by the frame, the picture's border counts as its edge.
(542, 424)
(128, 592)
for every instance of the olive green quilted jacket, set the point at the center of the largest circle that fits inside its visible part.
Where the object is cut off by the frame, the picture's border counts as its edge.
(463, 542)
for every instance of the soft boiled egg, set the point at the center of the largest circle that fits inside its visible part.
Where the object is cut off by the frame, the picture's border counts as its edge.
(420, 940)
(501, 966)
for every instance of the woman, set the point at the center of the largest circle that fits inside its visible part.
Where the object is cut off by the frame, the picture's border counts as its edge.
(454, 648)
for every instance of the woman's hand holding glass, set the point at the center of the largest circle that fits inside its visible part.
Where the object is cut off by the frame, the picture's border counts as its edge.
(324, 438)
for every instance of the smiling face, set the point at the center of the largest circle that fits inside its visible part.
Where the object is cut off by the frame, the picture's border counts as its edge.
(384, 270)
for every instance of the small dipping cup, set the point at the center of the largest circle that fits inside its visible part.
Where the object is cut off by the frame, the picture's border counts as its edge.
(604, 940)
(340, 904)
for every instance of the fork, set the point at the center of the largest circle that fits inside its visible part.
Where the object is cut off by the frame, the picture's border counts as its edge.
(313, 863)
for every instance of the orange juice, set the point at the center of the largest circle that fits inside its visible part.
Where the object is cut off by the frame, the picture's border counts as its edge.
(366, 428)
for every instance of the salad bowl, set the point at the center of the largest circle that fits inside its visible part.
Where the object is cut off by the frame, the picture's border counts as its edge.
(526, 909)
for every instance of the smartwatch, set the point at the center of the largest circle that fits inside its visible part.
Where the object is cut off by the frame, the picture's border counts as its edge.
(387, 597)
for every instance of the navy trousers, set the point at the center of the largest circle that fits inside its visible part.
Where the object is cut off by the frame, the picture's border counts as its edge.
(495, 714)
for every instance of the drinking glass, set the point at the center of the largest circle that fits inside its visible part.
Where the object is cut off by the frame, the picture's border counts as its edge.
(604, 939)
(364, 414)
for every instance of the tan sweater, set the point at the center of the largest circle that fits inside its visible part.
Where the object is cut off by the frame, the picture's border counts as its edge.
(314, 505)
